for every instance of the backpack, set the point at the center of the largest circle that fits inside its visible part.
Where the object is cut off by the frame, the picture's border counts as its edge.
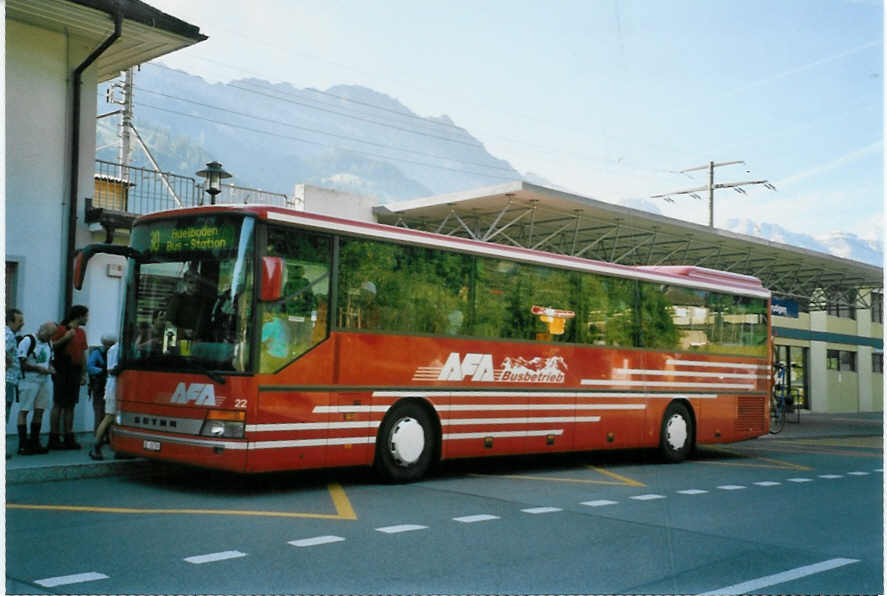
(97, 382)
(18, 341)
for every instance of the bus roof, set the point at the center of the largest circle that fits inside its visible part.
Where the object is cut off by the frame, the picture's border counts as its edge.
(687, 276)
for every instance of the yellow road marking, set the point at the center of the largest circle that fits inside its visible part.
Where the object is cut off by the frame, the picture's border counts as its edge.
(773, 463)
(344, 510)
(788, 447)
(618, 480)
(622, 479)
(859, 442)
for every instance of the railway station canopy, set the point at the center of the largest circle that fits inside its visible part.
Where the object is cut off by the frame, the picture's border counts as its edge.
(535, 217)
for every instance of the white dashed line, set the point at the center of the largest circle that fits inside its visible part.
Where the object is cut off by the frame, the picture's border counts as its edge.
(800, 480)
(317, 540)
(51, 582)
(470, 519)
(401, 528)
(768, 483)
(857, 473)
(779, 578)
(692, 491)
(878, 470)
(538, 510)
(647, 497)
(731, 487)
(598, 503)
(830, 476)
(213, 557)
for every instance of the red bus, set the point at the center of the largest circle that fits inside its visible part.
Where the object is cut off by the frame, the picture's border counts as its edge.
(257, 338)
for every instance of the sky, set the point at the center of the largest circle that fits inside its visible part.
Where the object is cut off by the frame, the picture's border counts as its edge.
(609, 99)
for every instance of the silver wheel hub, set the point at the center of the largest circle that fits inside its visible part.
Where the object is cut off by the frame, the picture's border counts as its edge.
(407, 441)
(676, 432)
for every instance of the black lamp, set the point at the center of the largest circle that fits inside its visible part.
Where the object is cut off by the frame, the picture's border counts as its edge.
(213, 173)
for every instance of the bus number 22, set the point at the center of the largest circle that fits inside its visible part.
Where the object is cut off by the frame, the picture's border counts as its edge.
(239, 403)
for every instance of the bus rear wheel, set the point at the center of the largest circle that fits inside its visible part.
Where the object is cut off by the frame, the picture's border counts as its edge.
(677, 434)
(405, 444)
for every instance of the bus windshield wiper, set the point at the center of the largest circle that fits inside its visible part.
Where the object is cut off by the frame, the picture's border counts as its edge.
(211, 374)
(161, 359)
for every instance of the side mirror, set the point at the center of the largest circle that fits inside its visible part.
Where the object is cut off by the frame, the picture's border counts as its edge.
(82, 257)
(80, 260)
(273, 279)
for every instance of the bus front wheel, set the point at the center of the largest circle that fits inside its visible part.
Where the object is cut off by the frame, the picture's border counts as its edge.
(405, 445)
(677, 434)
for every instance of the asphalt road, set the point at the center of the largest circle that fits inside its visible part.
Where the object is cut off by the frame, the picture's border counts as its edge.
(776, 516)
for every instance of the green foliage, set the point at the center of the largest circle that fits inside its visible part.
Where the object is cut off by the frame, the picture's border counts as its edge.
(422, 290)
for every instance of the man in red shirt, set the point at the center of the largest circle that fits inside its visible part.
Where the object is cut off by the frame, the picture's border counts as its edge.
(69, 346)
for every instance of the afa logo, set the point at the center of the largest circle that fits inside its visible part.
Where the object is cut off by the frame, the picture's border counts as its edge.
(197, 393)
(478, 366)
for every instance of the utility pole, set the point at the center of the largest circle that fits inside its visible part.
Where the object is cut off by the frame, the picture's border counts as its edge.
(737, 186)
(125, 125)
(128, 130)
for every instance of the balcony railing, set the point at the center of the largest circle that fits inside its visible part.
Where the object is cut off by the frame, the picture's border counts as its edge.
(133, 191)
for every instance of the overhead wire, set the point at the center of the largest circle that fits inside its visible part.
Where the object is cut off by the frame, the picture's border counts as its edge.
(322, 132)
(318, 143)
(609, 162)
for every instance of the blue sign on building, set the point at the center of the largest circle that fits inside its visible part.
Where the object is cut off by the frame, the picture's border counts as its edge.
(780, 307)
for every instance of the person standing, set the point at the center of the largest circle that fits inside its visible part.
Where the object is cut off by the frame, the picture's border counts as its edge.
(35, 354)
(110, 403)
(15, 320)
(97, 367)
(69, 347)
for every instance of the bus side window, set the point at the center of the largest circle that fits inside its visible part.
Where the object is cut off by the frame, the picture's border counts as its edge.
(298, 321)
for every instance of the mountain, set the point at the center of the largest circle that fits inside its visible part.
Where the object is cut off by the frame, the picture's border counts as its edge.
(840, 244)
(273, 136)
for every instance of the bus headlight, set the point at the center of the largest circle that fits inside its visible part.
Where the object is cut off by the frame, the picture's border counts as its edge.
(223, 424)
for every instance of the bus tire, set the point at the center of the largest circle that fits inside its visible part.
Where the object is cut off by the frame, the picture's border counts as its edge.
(677, 435)
(405, 445)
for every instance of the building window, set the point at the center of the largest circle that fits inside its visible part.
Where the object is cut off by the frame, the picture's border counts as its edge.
(878, 363)
(841, 309)
(877, 307)
(794, 359)
(831, 360)
(840, 360)
(11, 284)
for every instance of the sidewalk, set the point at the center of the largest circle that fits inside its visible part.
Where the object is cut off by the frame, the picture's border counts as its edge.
(70, 465)
(65, 465)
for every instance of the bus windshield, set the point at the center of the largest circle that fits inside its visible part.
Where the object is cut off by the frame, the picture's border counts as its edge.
(190, 294)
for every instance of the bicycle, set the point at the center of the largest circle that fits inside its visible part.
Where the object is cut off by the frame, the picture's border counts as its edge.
(777, 400)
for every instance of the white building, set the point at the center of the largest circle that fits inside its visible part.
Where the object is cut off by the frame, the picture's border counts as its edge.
(57, 51)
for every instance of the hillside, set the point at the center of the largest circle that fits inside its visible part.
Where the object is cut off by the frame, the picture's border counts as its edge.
(273, 136)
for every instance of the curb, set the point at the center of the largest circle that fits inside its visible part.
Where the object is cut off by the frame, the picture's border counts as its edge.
(76, 471)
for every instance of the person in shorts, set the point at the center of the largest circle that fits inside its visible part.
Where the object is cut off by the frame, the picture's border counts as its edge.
(69, 348)
(35, 388)
(15, 320)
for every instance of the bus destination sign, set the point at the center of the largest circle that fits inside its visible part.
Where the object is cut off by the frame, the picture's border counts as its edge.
(192, 238)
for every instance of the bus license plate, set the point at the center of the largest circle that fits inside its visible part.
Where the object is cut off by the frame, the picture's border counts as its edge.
(151, 445)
